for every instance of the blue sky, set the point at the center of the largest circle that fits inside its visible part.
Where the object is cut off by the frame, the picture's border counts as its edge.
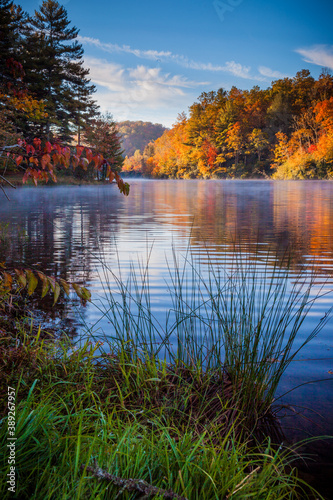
(150, 60)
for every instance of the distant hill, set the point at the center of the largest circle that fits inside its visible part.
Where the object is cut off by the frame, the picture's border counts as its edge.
(136, 135)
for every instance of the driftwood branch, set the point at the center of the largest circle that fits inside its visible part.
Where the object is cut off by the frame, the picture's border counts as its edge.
(139, 485)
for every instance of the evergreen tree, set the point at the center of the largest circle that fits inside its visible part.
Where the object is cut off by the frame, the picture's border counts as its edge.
(55, 72)
(8, 38)
(12, 20)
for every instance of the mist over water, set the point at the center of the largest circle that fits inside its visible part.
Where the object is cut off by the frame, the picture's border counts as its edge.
(73, 232)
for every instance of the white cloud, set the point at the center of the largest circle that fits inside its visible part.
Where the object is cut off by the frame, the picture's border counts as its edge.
(232, 67)
(112, 47)
(106, 74)
(238, 70)
(263, 70)
(321, 55)
(143, 73)
(131, 92)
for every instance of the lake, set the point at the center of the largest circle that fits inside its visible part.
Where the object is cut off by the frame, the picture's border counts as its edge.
(74, 232)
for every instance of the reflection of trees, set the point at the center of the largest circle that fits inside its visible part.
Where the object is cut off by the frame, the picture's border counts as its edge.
(62, 227)
(280, 216)
(67, 226)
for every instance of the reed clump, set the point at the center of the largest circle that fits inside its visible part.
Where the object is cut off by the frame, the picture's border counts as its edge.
(180, 411)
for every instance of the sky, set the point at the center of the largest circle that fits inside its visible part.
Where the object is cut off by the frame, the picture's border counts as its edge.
(150, 60)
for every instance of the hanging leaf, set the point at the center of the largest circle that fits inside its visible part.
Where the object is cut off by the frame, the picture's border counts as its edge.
(98, 160)
(45, 160)
(75, 161)
(79, 150)
(53, 177)
(45, 282)
(65, 285)
(52, 283)
(37, 142)
(56, 292)
(55, 287)
(86, 295)
(66, 152)
(21, 277)
(32, 282)
(18, 160)
(8, 281)
(89, 155)
(48, 147)
(84, 163)
(126, 189)
(77, 288)
(82, 292)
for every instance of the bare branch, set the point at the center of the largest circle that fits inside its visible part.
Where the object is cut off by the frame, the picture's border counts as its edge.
(6, 180)
(138, 485)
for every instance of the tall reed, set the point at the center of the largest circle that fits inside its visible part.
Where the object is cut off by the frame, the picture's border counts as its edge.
(243, 318)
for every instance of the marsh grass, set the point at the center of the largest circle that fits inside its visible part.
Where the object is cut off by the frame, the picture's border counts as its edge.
(241, 322)
(186, 406)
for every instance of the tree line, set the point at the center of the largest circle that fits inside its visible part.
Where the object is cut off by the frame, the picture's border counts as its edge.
(284, 132)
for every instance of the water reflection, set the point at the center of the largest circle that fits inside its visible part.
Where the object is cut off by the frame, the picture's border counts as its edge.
(66, 224)
(72, 229)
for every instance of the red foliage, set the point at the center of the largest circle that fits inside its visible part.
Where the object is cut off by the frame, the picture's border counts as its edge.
(39, 161)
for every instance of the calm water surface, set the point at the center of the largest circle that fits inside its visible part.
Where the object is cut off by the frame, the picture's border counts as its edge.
(71, 229)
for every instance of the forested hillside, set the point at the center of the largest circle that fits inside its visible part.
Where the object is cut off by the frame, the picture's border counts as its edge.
(284, 131)
(136, 135)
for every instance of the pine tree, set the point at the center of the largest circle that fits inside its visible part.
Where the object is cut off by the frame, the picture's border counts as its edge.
(12, 87)
(7, 39)
(55, 72)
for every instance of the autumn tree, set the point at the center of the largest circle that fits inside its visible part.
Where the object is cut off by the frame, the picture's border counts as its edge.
(258, 140)
(102, 135)
(134, 165)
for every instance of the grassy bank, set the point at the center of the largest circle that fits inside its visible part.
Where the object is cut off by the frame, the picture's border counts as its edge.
(139, 414)
(174, 427)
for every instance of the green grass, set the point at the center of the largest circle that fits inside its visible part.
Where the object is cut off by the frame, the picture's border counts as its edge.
(73, 410)
(186, 406)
